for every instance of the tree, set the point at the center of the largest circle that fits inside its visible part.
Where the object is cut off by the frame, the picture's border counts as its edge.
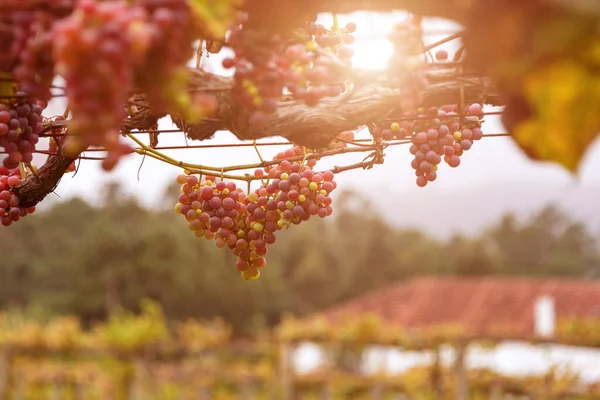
(124, 253)
(124, 68)
(549, 243)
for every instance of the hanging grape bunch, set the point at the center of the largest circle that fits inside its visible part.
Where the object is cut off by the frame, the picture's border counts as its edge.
(31, 46)
(443, 137)
(267, 67)
(106, 49)
(20, 126)
(435, 134)
(164, 44)
(246, 223)
(336, 40)
(95, 37)
(407, 67)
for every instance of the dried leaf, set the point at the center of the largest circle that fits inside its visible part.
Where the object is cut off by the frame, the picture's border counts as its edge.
(565, 96)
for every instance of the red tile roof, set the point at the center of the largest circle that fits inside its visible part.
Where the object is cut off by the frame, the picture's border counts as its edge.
(478, 305)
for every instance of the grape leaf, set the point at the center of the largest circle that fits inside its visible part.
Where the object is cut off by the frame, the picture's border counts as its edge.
(565, 97)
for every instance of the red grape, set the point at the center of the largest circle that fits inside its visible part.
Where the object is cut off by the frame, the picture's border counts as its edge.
(247, 224)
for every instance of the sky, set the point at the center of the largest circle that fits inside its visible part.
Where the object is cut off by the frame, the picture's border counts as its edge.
(491, 162)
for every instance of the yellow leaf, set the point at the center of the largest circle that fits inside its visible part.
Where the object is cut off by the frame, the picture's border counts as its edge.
(215, 16)
(565, 97)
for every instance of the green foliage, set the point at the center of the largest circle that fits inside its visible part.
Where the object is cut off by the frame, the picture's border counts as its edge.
(92, 261)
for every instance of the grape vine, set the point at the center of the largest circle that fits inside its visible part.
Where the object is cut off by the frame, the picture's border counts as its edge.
(123, 64)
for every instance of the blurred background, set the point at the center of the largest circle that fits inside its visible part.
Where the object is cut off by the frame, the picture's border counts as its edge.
(106, 243)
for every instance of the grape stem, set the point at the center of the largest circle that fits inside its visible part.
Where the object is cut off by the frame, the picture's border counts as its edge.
(147, 150)
(447, 39)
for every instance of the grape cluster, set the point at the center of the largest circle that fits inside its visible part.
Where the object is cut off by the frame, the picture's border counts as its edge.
(341, 141)
(435, 134)
(335, 40)
(31, 47)
(166, 39)
(9, 203)
(105, 49)
(266, 67)
(95, 56)
(393, 131)
(440, 135)
(291, 192)
(407, 65)
(20, 125)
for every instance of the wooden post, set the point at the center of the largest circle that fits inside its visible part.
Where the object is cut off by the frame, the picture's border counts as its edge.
(57, 391)
(436, 374)
(79, 391)
(286, 379)
(204, 393)
(5, 370)
(377, 391)
(135, 387)
(326, 391)
(19, 389)
(460, 373)
(247, 390)
(496, 393)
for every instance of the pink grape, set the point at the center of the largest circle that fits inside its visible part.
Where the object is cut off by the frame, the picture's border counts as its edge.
(247, 224)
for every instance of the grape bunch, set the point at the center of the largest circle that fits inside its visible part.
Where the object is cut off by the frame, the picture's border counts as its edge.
(291, 192)
(31, 47)
(105, 49)
(341, 141)
(439, 135)
(266, 67)
(20, 125)
(95, 56)
(407, 65)
(9, 203)
(209, 206)
(335, 40)
(394, 131)
(435, 134)
(166, 40)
